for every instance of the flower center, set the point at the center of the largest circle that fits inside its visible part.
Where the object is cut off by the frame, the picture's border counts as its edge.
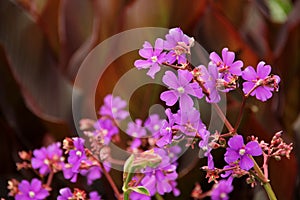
(168, 128)
(78, 153)
(114, 110)
(204, 148)
(180, 90)
(156, 127)
(134, 134)
(31, 194)
(242, 152)
(223, 195)
(259, 82)
(46, 161)
(154, 58)
(104, 132)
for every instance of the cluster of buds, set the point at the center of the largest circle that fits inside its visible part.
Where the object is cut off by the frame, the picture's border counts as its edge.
(68, 144)
(13, 187)
(26, 159)
(277, 147)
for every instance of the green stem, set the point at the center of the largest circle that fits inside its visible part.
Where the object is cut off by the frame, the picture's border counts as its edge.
(264, 181)
(158, 196)
(269, 191)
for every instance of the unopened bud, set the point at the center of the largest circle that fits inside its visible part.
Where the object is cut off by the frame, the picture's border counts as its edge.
(278, 158)
(68, 144)
(25, 155)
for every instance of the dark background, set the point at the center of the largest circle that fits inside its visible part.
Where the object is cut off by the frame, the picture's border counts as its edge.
(43, 43)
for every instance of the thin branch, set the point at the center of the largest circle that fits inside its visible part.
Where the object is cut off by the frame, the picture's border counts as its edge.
(50, 178)
(111, 181)
(223, 117)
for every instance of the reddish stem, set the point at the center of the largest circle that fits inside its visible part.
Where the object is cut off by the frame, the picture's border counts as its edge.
(245, 97)
(223, 117)
(111, 182)
(265, 165)
(50, 178)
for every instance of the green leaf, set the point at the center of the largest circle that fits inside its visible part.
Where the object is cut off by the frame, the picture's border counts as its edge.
(128, 163)
(279, 10)
(136, 162)
(128, 172)
(147, 158)
(140, 189)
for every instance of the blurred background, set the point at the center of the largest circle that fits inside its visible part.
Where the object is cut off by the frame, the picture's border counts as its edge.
(44, 42)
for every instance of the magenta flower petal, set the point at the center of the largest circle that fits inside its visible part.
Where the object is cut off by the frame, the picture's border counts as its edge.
(263, 70)
(159, 46)
(215, 57)
(147, 50)
(24, 186)
(246, 163)
(153, 70)
(228, 57)
(263, 93)
(231, 156)
(169, 97)
(142, 64)
(249, 74)
(236, 67)
(170, 80)
(184, 77)
(185, 102)
(65, 194)
(247, 86)
(253, 148)
(236, 142)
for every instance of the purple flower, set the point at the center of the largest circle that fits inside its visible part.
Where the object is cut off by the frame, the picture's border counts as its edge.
(261, 79)
(238, 151)
(161, 180)
(65, 194)
(153, 123)
(94, 195)
(209, 78)
(93, 173)
(76, 156)
(138, 196)
(135, 144)
(212, 84)
(189, 121)
(114, 107)
(47, 159)
(166, 129)
(221, 190)
(105, 128)
(154, 57)
(135, 129)
(179, 45)
(180, 88)
(227, 64)
(31, 191)
(204, 145)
